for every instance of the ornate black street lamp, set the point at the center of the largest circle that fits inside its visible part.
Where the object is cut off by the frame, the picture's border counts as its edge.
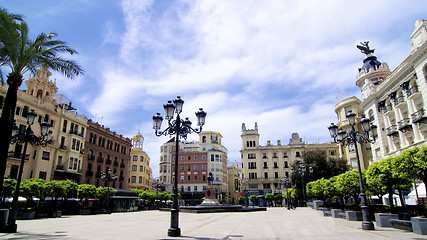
(180, 128)
(285, 183)
(351, 139)
(24, 138)
(108, 177)
(301, 172)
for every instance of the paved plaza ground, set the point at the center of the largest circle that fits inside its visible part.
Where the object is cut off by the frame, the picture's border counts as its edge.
(275, 223)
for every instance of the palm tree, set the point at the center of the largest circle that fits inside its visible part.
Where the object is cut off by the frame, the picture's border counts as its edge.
(22, 55)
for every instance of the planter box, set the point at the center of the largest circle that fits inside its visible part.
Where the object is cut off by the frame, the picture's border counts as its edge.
(337, 213)
(85, 212)
(419, 225)
(354, 216)
(326, 212)
(317, 204)
(383, 219)
(4, 215)
(25, 215)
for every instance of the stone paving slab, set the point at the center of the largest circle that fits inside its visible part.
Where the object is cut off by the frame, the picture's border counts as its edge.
(275, 223)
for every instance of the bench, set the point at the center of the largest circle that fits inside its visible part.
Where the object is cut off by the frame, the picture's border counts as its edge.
(401, 224)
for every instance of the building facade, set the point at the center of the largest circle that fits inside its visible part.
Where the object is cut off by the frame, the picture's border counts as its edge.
(196, 160)
(234, 179)
(264, 167)
(342, 109)
(38, 98)
(106, 150)
(395, 100)
(139, 167)
(71, 139)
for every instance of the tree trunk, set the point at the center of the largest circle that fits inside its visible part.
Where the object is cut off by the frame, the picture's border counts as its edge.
(6, 121)
(390, 199)
(402, 200)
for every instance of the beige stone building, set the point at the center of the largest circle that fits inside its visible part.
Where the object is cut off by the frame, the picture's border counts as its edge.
(263, 167)
(139, 167)
(37, 97)
(234, 183)
(71, 139)
(342, 108)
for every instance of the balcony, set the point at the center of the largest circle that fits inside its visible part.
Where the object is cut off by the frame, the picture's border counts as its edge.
(399, 100)
(116, 163)
(412, 91)
(98, 174)
(419, 116)
(91, 157)
(63, 147)
(17, 155)
(59, 167)
(100, 159)
(108, 161)
(392, 130)
(404, 124)
(386, 109)
(122, 165)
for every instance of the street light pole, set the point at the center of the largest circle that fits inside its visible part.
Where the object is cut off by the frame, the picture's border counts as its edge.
(179, 128)
(352, 138)
(301, 171)
(107, 177)
(26, 137)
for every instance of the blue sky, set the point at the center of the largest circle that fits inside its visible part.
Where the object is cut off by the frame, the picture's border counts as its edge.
(283, 64)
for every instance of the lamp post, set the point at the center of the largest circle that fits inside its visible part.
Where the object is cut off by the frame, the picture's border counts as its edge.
(286, 183)
(180, 128)
(301, 172)
(352, 138)
(107, 177)
(25, 138)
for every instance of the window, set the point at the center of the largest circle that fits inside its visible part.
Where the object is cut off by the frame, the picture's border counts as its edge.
(46, 155)
(212, 158)
(182, 157)
(265, 165)
(286, 164)
(188, 188)
(204, 157)
(182, 178)
(134, 168)
(266, 175)
(195, 188)
(285, 155)
(204, 168)
(252, 176)
(73, 146)
(135, 158)
(133, 179)
(18, 111)
(182, 168)
(195, 178)
(195, 157)
(64, 126)
(276, 175)
(189, 157)
(140, 179)
(266, 185)
(251, 165)
(42, 175)
(297, 154)
(196, 168)
(141, 168)
(275, 165)
(188, 178)
(142, 158)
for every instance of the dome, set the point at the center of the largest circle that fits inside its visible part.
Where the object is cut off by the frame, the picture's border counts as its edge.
(370, 62)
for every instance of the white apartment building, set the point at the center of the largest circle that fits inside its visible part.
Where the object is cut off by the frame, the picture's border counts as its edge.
(395, 100)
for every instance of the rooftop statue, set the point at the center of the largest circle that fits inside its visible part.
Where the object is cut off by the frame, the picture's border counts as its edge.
(365, 48)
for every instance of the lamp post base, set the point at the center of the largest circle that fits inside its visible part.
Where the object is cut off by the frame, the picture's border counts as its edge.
(174, 232)
(368, 226)
(11, 228)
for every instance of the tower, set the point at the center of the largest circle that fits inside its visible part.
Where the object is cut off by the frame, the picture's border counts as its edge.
(250, 137)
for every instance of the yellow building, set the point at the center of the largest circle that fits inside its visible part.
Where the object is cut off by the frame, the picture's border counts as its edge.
(37, 97)
(344, 107)
(139, 167)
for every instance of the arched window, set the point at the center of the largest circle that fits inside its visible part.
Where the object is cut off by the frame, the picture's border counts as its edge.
(25, 112)
(204, 139)
(39, 93)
